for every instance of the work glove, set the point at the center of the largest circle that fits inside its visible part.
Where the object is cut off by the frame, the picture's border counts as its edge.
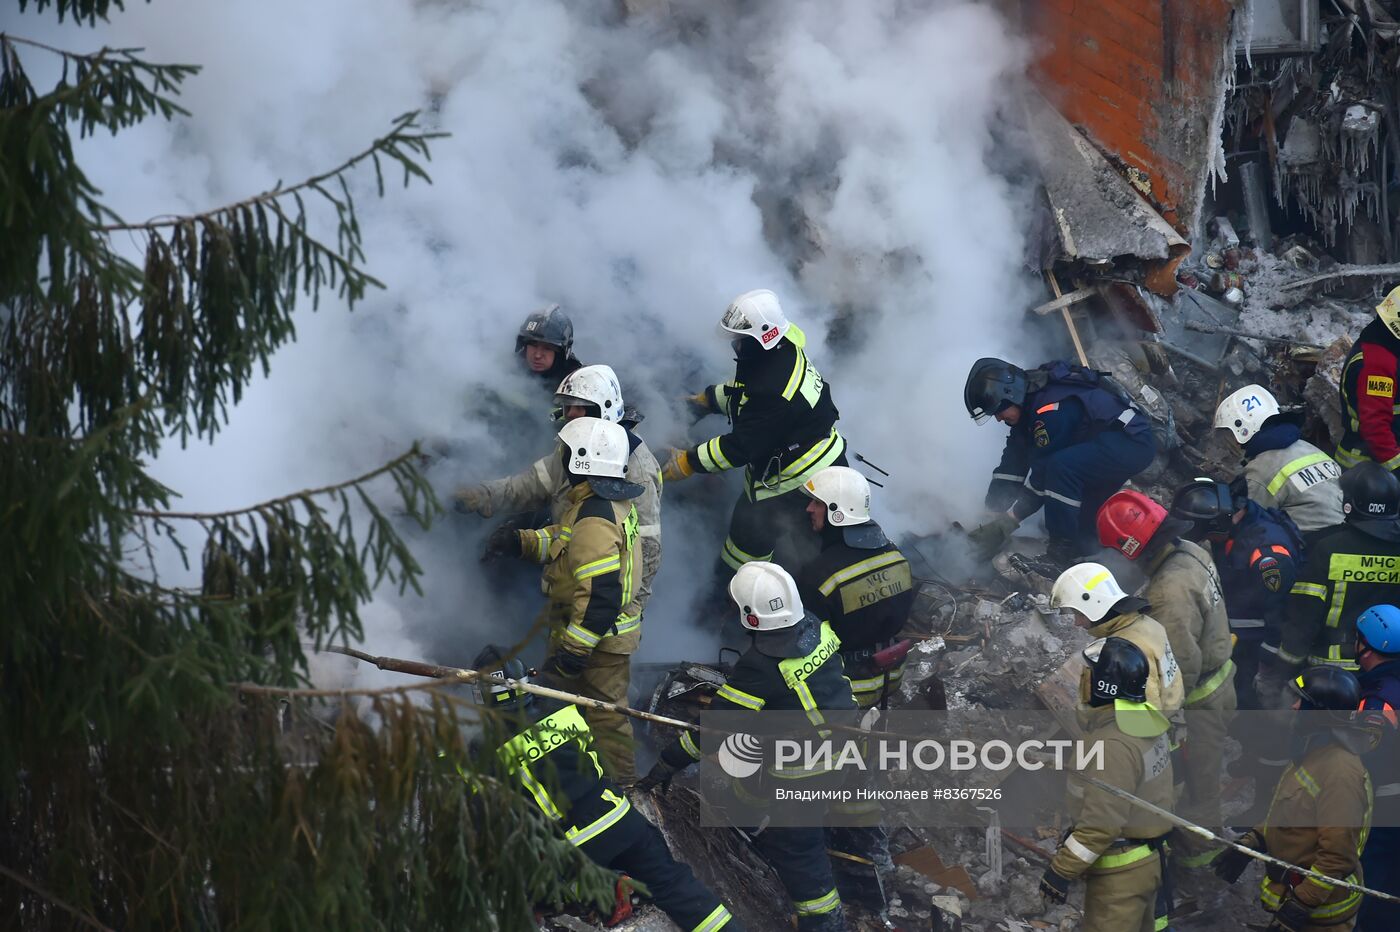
(659, 775)
(1271, 681)
(564, 665)
(503, 542)
(1053, 887)
(472, 499)
(1293, 915)
(677, 467)
(1231, 863)
(988, 539)
(699, 405)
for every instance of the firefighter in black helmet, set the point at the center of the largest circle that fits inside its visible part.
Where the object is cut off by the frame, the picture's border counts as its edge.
(545, 343)
(1349, 569)
(1321, 809)
(1115, 849)
(1076, 437)
(546, 745)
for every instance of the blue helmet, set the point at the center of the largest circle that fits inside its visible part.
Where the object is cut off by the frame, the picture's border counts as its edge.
(1379, 627)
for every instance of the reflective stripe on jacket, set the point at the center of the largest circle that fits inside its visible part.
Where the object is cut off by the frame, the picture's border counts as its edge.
(1301, 480)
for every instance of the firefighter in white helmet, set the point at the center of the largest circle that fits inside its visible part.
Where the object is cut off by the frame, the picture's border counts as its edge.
(782, 426)
(1098, 603)
(592, 391)
(792, 664)
(592, 561)
(1282, 469)
(860, 582)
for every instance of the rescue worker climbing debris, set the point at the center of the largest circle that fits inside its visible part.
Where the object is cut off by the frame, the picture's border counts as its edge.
(1320, 812)
(1076, 437)
(1091, 593)
(792, 664)
(1378, 659)
(1281, 469)
(860, 582)
(590, 391)
(546, 746)
(592, 559)
(1348, 570)
(1187, 599)
(782, 427)
(545, 343)
(1370, 409)
(1116, 847)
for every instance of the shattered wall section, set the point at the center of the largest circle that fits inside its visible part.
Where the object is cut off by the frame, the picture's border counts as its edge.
(1144, 81)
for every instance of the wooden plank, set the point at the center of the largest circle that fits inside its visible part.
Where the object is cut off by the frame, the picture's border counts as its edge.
(1069, 321)
(1074, 297)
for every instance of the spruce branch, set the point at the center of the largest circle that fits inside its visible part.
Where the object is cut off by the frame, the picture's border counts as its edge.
(89, 11)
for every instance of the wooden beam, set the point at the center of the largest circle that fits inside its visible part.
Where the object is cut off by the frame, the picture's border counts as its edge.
(1074, 297)
(1069, 321)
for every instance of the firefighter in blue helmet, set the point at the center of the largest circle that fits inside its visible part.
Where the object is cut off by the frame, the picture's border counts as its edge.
(1076, 437)
(1378, 658)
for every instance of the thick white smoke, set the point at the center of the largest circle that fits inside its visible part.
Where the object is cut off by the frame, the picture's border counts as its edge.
(640, 171)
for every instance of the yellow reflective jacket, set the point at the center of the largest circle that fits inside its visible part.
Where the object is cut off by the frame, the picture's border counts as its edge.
(1110, 833)
(591, 557)
(1188, 601)
(1319, 819)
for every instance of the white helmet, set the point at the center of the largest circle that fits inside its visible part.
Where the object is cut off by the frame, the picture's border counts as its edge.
(767, 597)
(756, 314)
(592, 385)
(1245, 411)
(1088, 588)
(844, 492)
(596, 448)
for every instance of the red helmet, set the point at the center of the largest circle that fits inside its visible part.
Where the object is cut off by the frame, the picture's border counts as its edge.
(1127, 522)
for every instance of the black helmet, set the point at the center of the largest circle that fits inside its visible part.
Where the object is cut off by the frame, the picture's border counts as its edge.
(1117, 670)
(1327, 687)
(1370, 491)
(548, 325)
(1209, 506)
(492, 659)
(992, 384)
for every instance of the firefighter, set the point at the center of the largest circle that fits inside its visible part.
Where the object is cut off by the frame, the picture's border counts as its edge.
(860, 582)
(793, 664)
(1370, 409)
(1117, 847)
(1259, 553)
(1378, 657)
(545, 344)
(1320, 812)
(592, 558)
(590, 391)
(547, 745)
(1098, 603)
(782, 427)
(1281, 469)
(1349, 569)
(1186, 597)
(1074, 441)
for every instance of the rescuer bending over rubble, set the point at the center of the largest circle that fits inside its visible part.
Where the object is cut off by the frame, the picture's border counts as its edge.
(590, 391)
(860, 582)
(792, 664)
(1116, 847)
(1370, 408)
(1281, 469)
(547, 746)
(1076, 437)
(591, 558)
(782, 427)
(1320, 810)
(1186, 596)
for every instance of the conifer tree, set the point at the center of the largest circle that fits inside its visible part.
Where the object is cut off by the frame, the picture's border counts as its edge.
(149, 777)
